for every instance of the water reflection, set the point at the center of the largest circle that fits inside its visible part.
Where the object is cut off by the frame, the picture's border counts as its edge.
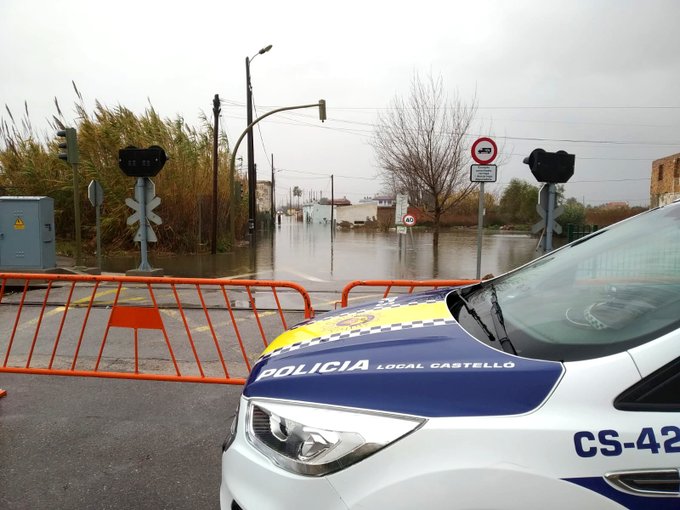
(299, 252)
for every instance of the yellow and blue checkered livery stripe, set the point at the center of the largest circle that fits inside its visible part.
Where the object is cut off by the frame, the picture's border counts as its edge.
(386, 315)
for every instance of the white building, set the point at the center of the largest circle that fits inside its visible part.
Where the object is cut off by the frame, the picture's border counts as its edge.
(316, 213)
(357, 214)
(263, 196)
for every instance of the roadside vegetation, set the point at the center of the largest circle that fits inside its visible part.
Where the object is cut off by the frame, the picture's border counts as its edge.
(29, 166)
(515, 209)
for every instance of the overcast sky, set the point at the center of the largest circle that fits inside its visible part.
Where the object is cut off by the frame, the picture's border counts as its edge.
(597, 78)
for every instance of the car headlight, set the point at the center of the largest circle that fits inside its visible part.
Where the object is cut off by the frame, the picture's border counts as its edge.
(313, 440)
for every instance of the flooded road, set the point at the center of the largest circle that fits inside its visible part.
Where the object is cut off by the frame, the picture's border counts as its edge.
(306, 254)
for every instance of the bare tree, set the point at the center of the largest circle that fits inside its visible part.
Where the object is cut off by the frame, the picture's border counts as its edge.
(421, 147)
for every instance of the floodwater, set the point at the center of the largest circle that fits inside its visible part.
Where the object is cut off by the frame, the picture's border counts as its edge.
(305, 253)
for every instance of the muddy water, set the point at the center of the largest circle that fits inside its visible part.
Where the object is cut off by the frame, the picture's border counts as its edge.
(306, 253)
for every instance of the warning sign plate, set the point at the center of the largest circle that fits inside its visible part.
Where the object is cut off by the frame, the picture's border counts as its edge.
(19, 224)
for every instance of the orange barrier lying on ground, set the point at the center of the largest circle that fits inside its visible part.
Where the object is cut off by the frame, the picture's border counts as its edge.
(410, 285)
(170, 329)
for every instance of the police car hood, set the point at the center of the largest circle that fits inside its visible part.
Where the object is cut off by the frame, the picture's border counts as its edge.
(405, 355)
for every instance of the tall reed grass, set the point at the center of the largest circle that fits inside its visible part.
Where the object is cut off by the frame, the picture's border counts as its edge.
(29, 166)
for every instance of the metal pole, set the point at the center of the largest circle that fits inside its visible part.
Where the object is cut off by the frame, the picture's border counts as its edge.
(273, 211)
(99, 230)
(76, 213)
(140, 188)
(216, 115)
(332, 200)
(252, 176)
(232, 162)
(480, 229)
(550, 218)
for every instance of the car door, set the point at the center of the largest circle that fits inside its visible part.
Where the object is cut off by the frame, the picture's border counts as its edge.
(651, 408)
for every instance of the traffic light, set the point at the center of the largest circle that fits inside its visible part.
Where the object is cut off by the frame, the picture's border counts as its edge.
(322, 110)
(136, 162)
(551, 167)
(70, 143)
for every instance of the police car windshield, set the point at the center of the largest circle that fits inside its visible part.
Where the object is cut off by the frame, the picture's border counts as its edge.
(595, 297)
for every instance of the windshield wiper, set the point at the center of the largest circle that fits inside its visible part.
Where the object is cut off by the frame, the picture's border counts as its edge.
(497, 317)
(473, 313)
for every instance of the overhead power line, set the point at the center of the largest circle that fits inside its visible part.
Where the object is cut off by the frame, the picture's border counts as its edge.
(294, 119)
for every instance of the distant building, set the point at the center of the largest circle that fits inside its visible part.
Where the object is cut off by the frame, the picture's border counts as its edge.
(665, 182)
(614, 205)
(263, 196)
(380, 200)
(341, 202)
(358, 214)
(317, 212)
(384, 200)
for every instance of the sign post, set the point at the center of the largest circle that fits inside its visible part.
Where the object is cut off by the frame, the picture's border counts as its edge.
(548, 211)
(400, 210)
(484, 151)
(95, 194)
(408, 220)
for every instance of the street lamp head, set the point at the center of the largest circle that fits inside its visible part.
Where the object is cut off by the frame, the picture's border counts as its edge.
(265, 49)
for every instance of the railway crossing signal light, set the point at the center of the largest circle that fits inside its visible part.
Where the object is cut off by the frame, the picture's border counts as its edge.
(68, 147)
(136, 162)
(551, 167)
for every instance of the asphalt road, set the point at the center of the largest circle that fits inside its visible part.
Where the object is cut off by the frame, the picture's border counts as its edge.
(97, 443)
(72, 442)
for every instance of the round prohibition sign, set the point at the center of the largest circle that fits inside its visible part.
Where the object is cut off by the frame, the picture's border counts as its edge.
(484, 151)
(409, 220)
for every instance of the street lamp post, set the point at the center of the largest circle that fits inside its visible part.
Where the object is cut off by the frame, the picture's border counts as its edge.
(252, 172)
(232, 164)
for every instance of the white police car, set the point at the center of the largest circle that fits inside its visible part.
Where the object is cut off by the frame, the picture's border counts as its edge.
(555, 386)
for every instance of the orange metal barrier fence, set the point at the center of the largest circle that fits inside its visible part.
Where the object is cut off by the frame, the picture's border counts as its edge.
(401, 285)
(170, 329)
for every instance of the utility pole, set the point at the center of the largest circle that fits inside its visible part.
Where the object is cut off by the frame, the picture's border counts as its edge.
(332, 199)
(252, 170)
(251, 152)
(216, 115)
(273, 208)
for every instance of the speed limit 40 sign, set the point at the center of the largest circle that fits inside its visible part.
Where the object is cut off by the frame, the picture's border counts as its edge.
(409, 220)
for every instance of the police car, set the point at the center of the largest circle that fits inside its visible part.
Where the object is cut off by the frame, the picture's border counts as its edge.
(554, 386)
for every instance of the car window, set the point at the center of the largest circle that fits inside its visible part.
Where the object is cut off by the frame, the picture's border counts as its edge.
(659, 391)
(598, 296)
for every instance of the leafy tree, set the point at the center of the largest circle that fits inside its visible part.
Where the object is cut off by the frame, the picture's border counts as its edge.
(297, 192)
(422, 149)
(518, 202)
(574, 213)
